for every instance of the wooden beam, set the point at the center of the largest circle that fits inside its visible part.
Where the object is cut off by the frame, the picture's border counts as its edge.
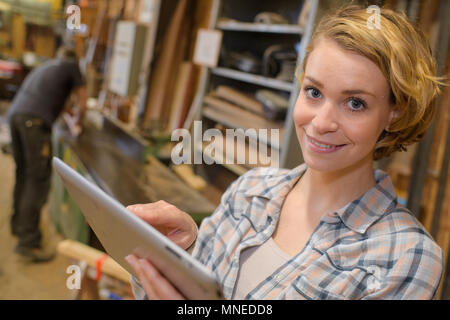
(79, 251)
(421, 159)
(162, 72)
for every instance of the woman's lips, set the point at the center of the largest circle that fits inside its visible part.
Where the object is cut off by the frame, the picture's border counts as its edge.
(313, 145)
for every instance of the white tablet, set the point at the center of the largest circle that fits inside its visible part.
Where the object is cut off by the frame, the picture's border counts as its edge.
(122, 233)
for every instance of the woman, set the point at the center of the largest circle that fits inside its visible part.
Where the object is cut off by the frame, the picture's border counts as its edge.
(331, 228)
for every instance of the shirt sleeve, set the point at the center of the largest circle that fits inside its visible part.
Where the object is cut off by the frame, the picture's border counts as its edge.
(415, 275)
(138, 291)
(207, 234)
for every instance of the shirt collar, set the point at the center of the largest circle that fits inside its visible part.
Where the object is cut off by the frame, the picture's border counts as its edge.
(273, 181)
(362, 212)
(358, 215)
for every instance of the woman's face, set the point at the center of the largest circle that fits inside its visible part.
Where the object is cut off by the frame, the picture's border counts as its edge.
(343, 103)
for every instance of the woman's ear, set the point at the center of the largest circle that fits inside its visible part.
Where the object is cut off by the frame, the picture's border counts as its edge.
(392, 116)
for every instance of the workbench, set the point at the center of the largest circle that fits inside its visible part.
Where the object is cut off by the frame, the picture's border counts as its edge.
(120, 164)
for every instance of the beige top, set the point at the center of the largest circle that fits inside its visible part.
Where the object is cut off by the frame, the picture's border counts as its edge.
(255, 265)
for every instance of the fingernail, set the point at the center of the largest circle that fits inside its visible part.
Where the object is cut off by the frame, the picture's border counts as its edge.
(133, 207)
(146, 265)
(129, 259)
(142, 261)
(137, 208)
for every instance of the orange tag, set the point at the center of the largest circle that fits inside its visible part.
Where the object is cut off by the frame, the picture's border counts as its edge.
(98, 266)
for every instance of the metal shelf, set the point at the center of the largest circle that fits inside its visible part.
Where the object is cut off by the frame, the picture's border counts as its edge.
(231, 25)
(237, 35)
(252, 78)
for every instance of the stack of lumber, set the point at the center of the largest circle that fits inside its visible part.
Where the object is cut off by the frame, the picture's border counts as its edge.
(237, 110)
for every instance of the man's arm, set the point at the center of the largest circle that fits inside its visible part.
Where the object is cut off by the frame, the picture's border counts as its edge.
(81, 95)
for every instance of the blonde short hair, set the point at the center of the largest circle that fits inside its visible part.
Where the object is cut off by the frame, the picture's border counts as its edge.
(403, 54)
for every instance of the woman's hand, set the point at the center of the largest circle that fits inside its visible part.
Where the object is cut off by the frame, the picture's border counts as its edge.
(175, 224)
(155, 285)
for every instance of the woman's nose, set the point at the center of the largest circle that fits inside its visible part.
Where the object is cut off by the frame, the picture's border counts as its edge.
(325, 118)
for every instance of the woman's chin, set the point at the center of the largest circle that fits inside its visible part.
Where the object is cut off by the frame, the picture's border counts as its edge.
(321, 165)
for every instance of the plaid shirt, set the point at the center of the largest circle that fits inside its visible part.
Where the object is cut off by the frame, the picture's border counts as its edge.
(372, 248)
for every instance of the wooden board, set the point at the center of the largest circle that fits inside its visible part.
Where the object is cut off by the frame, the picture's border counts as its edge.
(162, 72)
(427, 15)
(174, 70)
(239, 98)
(18, 35)
(443, 236)
(81, 252)
(44, 42)
(242, 118)
(182, 96)
(246, 150)
(186, 173)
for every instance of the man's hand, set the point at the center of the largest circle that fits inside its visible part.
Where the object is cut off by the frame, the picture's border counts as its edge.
(175, 224)
(75, 130)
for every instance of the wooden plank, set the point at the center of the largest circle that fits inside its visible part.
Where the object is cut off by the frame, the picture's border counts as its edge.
(182, 96)
(79, 251)
(18, 35)
(248, 151)
(44, 42)
(201, 20)
(233, 167)
(161, 74)
(186, 173)
(241, 116)
(131, 10)
(175, 66)
(427, 15)
(206, 12)
(237, 121)
(239, 98)
(443, 236)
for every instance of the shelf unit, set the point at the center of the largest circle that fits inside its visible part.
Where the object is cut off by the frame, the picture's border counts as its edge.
(258, 27)
(234, 18)
(253, 78)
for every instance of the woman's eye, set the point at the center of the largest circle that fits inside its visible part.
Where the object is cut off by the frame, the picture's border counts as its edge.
(313, 93)
(356, 105)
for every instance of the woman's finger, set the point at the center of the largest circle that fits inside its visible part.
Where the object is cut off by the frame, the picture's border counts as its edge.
(156, 213)
(162, 287)
(143, 278)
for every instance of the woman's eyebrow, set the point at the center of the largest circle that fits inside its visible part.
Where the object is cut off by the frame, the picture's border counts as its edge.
(356, 91)
(316, 82)
(353, 91)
